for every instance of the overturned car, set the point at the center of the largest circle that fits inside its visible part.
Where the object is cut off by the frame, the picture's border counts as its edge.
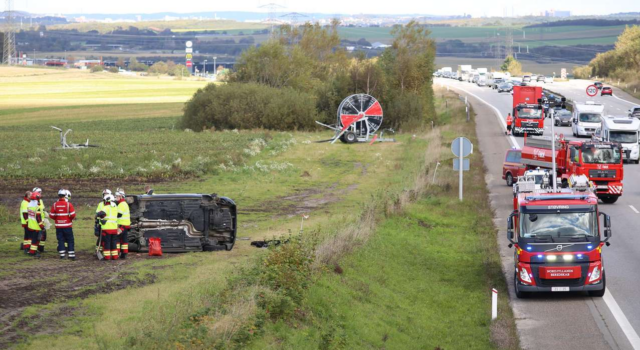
(183, 222)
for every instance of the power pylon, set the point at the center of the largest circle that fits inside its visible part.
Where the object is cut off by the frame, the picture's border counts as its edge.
(9, 45)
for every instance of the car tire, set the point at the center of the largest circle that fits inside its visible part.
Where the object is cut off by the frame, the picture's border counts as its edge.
(600, 293)
(636, 161)
(519, 294)
(556, 123)
(509, 180)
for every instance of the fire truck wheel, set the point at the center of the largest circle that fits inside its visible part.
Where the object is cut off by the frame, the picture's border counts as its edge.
(599, 293)
(519, 294)
(609, 199)
(509, 180)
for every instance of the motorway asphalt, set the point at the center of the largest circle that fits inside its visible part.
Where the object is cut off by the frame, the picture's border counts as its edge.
(566, 321)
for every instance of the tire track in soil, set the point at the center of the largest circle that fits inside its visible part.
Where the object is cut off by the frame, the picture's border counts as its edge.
(53, 279)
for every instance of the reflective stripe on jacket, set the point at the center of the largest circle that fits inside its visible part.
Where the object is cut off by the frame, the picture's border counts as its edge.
(34, 213)
(63, 213)
(111, 219)
(24, 212)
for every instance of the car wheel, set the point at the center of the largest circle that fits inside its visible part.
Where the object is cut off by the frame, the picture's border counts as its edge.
(599, 293)
(636, 161)
(509, 180)
(556, 123)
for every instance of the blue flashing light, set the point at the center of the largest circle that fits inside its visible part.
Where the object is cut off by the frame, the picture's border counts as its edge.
(528, 248)
(579, 256)
(540, 256)
(589, 246)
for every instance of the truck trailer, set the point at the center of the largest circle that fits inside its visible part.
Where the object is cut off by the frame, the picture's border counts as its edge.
(600, 162)
(528, 112)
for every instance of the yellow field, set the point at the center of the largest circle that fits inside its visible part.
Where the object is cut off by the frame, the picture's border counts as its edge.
(37, 87)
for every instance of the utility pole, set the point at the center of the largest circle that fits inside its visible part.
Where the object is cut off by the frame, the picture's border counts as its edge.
(9, 45)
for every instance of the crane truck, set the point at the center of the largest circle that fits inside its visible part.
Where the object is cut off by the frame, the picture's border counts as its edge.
(600, 161)
(557, 238)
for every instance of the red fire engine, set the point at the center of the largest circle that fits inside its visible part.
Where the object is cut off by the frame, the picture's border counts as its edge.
(528, 113)
(558, 246)
(600, 161)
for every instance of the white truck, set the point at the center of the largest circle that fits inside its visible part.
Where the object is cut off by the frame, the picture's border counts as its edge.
(495, 78)
(587, 117)
(623, 130)
(463, 72)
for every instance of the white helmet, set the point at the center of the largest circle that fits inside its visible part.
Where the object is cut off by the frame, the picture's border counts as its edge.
(67, 194)
(37, 189)
(62, 192)
(105, 193)
(109, 198)
(120, 192)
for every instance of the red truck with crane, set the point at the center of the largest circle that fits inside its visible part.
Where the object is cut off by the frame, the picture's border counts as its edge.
(557, 238)
(600, 161)
(528, 112)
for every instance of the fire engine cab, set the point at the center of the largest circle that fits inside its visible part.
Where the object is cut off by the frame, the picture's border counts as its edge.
(557, 240)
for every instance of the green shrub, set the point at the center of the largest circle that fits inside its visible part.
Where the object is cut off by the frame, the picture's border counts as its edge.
(97, 68)
(249, 106)
(113, 70)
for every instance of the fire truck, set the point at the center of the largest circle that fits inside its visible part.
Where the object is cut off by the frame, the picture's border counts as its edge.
(557, 240)
(528, 112)
(600, 161)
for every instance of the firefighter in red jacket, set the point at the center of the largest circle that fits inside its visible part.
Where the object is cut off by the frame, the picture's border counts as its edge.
(35, 223)
(24, 204)
(63, 213)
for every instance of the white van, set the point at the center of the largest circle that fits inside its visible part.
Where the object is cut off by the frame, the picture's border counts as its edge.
(587, 117)
(623, 130)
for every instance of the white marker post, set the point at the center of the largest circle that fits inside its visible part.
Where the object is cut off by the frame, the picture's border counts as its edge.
(461, 167)
(494, 304)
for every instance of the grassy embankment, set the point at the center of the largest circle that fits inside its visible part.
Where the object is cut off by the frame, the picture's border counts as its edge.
(274, 177)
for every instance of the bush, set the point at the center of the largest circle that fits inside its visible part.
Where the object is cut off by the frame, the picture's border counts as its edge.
(97, 68)
(249, 106)
(113, 70)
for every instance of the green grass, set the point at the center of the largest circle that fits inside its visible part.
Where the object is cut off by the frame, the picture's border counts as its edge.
(176, 25)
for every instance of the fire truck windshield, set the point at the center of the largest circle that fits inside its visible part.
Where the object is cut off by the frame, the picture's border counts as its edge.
(558, 226)
(529, 113)
(600, 155)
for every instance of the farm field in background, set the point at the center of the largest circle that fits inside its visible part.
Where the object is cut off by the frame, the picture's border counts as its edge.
(177, 26)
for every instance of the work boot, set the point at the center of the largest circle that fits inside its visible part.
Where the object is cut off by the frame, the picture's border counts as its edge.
(123, 256)
(26, 251)
(61, 257)
(37, 255)
(72, 258)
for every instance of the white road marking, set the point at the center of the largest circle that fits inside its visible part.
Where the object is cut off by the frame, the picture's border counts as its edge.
(617, 313)
(621, 99)
(502, 122)
(634, 209)
(628, 330)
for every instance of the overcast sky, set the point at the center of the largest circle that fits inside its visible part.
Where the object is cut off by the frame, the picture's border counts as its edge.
(476, 8)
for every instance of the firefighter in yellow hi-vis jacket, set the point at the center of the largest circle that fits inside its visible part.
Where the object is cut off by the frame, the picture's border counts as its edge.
(124, 223)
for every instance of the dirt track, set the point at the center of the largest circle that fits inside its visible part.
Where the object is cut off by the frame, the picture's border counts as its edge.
(54, 280)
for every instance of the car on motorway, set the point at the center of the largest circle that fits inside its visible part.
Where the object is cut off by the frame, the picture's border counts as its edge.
(512, 167)
(183, 222)
(493, 83)
(504, 87)
(562, 117)
(548, 80)
(540, 78)
(634, 112)
(598, 85)
(526, 80)
(606, 90)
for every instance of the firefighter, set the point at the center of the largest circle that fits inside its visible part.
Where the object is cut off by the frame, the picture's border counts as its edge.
(43, 235)
(124, 223)
(148, 190)
(63, 213)
(96, 227)
(109, 227)
(509, 123)
(26, 240)
(35, 223)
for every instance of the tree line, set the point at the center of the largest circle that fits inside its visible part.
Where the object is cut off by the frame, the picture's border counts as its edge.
(623, 62)
(302, 75)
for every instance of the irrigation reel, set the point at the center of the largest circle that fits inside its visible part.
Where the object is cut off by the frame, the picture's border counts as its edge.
(359, 118)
